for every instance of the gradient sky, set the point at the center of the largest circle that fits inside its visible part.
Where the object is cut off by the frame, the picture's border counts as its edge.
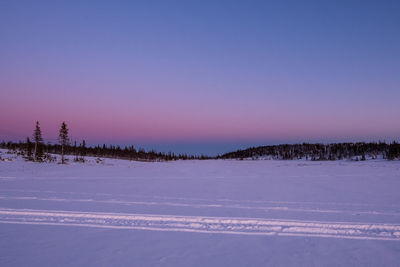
(201, 76)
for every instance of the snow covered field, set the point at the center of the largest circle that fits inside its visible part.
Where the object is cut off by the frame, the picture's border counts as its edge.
(199, 213)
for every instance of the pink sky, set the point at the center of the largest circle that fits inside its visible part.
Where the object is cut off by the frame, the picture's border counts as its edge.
(182, 73)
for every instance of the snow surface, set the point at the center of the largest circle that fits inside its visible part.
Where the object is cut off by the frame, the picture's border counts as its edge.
(199, 213)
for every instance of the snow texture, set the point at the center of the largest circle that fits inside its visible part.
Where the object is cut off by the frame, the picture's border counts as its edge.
(199, 213)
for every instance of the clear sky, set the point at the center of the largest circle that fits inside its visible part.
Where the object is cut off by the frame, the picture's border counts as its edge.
(201, 76)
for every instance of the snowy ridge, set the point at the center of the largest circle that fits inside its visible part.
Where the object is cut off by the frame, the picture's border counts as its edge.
(200, 224)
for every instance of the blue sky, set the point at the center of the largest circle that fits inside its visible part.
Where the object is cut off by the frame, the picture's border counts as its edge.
(194, 76)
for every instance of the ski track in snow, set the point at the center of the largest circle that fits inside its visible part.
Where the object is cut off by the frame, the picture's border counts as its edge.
(200, 224)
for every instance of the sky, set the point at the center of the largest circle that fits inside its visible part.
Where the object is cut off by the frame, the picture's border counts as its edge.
(201, 76)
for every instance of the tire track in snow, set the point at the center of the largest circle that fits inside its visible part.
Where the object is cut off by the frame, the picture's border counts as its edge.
(200, 224)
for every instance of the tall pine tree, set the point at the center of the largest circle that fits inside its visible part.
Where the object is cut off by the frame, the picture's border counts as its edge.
(37, 137)
(63, 139)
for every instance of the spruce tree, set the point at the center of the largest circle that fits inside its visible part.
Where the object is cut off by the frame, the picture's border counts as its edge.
(75, 152)
(37, 136)
(28, 149)
(63, 139)
(83, 151)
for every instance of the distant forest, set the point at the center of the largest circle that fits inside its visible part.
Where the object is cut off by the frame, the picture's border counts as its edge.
(81, 151)
(338, 151)
(37, 150)
(314, 152)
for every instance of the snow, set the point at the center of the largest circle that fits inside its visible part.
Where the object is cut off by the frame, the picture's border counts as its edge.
(199, 213)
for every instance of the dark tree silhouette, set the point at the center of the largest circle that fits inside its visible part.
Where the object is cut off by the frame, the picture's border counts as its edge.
(28, 149)
(63, 139)
(37, 137)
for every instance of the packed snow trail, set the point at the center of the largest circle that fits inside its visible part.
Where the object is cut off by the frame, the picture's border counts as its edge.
(199, 224)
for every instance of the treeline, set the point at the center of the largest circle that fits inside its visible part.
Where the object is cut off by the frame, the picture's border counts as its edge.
(80, 151)
(339, 151)
(37, 150)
